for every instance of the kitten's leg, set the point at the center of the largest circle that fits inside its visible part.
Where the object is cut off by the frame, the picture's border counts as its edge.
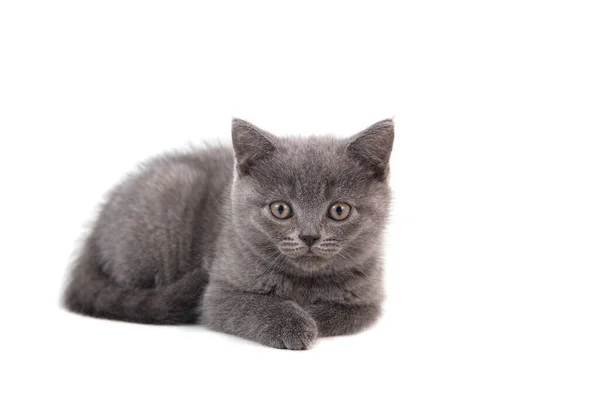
(263, 318)
(340, 319)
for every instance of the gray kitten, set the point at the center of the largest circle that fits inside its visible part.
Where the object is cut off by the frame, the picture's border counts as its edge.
(277, 241)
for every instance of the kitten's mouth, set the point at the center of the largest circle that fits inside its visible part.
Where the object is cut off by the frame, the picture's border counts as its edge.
(311, 257)
(306, 254)
(299, 254)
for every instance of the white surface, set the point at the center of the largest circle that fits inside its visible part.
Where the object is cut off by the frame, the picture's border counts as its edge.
(494, 250)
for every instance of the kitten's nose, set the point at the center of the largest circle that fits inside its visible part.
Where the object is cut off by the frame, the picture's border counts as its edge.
(309, 239)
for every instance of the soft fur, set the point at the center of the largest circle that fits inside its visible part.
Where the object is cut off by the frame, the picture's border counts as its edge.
(190, 238)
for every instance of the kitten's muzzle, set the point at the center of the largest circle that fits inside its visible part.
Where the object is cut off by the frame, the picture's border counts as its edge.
(309, 239)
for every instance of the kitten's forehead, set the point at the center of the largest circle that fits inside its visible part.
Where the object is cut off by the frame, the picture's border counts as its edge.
(310, 168)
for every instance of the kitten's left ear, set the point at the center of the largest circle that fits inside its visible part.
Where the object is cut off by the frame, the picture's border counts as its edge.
(373, 146)
(250, 144)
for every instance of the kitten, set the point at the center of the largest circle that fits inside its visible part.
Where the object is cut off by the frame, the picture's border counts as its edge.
(276, 240)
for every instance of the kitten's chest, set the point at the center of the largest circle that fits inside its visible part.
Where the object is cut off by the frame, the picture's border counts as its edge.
(311, 291)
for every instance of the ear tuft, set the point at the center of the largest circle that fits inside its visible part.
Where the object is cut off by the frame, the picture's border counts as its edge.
(373, 146)
(250, 144)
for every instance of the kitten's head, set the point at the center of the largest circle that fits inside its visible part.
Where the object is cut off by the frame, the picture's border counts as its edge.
(316, 202)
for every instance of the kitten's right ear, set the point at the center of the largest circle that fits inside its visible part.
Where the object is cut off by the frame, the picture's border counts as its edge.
(250, 144)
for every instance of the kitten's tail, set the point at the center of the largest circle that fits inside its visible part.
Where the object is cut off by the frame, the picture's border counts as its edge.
(92, 292)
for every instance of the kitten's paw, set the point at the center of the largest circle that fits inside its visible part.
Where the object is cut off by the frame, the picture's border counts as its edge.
(295, 331)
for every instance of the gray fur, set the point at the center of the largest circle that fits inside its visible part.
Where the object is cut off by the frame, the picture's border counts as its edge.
(190, 237)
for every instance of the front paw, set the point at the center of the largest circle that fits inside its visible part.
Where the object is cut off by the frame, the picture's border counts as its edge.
(294, 329)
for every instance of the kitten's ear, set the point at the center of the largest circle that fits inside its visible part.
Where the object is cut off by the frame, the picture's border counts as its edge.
(250, 144)
(372, 147)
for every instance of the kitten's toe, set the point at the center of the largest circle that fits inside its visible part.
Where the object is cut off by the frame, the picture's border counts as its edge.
(298, 332)
(300, 335)
(300, 341)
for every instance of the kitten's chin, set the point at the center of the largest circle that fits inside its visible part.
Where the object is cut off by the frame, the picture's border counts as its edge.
(309, 262)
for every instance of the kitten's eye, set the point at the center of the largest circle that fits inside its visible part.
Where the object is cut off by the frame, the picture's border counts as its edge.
(339, 211)
(281, 210)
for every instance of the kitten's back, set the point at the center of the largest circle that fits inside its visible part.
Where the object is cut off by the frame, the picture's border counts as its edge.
(145, 258)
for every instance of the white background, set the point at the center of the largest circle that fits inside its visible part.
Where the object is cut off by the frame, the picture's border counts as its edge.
(493, 255)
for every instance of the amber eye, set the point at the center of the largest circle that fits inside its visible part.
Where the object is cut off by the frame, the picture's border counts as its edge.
(281, 210)
(339, 211)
